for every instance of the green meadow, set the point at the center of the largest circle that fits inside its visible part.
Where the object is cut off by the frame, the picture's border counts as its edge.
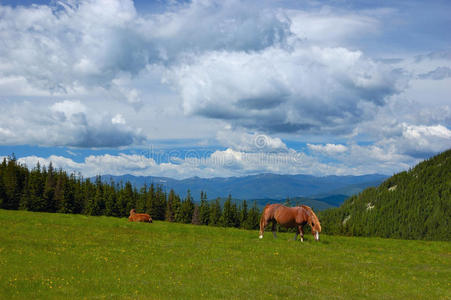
(56, 256)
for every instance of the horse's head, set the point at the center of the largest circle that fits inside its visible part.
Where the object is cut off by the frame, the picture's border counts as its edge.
(314, 223)
(132, 212)
(316, 227)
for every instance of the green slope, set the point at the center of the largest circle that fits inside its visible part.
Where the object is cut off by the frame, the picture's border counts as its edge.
(415, 204)
(54, 256)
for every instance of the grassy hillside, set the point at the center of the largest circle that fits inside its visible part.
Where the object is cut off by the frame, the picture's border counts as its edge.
(56, 256)
(412, 205)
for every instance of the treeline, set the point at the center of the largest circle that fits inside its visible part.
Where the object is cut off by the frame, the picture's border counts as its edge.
(46, 189)
(415, 204)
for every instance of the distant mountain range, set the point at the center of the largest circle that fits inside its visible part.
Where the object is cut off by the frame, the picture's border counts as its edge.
(330, 190)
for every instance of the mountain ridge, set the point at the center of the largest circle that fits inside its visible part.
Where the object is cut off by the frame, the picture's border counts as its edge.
(260, 186)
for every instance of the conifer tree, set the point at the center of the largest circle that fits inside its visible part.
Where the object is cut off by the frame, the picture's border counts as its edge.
(215, 213)
(142, 199)
(58, 196)
(14, 179)
(110, 201)
(243, 214)
(129, 198)
(196, 218)
(229, 216)
(253, 218)
(170, 214)
(49, 189)
(150, 199)
(187, 208)
(159, 205)
(24, 203)
(2, 190)
(204, 209)
(177, 208)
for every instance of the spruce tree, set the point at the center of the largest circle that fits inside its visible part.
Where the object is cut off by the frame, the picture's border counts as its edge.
(243, 214)
(110, 201)
(142, 197)
(187, 208)
(196, 218)
(253, 218)
(215, 213)
(159, 205)
(58, 196)
(49, 189)
(229, 216)
(150, 199)
(204, 209)
(170, 214)
(128, 198)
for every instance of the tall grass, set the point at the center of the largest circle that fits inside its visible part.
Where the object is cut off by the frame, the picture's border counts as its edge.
(73, 256)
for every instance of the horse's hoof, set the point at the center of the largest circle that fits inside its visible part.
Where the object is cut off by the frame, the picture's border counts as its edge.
(260, 237)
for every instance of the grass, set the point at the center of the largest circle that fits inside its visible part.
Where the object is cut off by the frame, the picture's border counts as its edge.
(55, 256)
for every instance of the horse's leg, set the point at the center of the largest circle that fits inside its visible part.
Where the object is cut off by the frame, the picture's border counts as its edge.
(301, 232)
(296, 234)
(274, 229)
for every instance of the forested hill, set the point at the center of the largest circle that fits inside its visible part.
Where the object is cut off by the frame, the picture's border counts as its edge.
(415, 204)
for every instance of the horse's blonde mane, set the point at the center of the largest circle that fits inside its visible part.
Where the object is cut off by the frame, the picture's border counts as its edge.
(310, 213)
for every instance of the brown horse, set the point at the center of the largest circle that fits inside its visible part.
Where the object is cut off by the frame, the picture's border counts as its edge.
(134, 217)
(290, 217)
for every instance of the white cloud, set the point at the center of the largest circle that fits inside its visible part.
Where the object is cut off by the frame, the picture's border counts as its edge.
(279, 90)
(72, 72)
(356, 160)
(219, 163)
(65, 123)
(329, 149)
(118, 119)
(256, 142)
(331, 27)
(68, 108)
(418, 140)
(93, 42)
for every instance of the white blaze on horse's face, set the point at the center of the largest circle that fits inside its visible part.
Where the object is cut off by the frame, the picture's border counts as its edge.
(317, 236)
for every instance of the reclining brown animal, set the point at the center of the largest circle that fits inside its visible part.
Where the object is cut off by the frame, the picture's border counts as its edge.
(134, 217)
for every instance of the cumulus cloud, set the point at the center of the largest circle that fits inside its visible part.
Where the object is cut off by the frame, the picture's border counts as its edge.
(256, 66)
(219, 163)
(60, 47)
(96, 165)
(64, 123)
(421, 140)
(118, 119)
(331, 27)
(93, 42)
(255, 142)
(329, 149)
(357, 160)
(280, 90)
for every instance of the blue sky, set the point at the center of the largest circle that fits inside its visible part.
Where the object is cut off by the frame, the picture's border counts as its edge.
(225, 88)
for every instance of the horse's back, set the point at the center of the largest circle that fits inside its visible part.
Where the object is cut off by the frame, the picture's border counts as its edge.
(286, 216)
(270, 210)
